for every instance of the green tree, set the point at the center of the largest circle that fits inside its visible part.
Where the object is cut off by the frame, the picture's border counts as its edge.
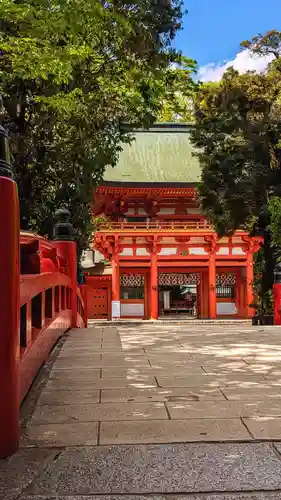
(177, 102)
(77, 76)
(238, 126)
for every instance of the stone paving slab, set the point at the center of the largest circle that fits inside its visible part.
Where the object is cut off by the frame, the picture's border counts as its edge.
(186, 468)
(253, 393)
(158, 394)
(60, 396)
(273, 379)
(99, 412)
(74, 345)
(268, 360)
(94, 366)
(82, 383)
(116, 372)
(231, 496)
(97, 497)
(126, 356)
(244, 369)
(173, 431)
(204, 358)
(98, 396)
(240, 496)
(72, 374)
(167, 364)
(223, 409)
(86, 355)
(268, 428)
(212, 381)
(18, 471)
(64, 434)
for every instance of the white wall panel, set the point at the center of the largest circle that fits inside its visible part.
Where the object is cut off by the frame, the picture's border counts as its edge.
(127, 251)
(142, 251)
(226, 308)
(197, 239)
(223, 251)
(238, 251)
(195, 211)
(168, 251)
(197, 251)
(131, 211)
(167, 210)
(132, 309)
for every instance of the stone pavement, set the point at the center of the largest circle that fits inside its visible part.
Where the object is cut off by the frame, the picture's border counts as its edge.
(185, 411)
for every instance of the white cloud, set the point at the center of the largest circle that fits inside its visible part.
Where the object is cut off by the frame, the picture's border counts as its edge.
(244, 61)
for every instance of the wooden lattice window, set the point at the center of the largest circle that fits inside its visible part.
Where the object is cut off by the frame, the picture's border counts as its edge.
(178, 279)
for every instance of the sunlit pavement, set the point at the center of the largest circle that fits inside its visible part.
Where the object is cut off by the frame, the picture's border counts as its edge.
(155, 409)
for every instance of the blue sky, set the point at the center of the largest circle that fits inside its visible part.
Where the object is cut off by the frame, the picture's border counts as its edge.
(213, 29)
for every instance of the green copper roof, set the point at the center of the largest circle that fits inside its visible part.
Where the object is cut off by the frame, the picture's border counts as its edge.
(161, 154)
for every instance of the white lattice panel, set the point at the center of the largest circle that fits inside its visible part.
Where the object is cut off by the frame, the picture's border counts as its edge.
(178, 279)
(226, 279)
(132, 280)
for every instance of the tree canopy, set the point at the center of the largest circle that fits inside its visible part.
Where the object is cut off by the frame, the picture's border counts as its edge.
(237, 131)
(76, 77)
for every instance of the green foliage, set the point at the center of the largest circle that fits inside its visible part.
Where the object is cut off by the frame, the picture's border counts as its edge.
(274, 207)
(77, 76)
(177, 104)
(268, 44)
(238, 129)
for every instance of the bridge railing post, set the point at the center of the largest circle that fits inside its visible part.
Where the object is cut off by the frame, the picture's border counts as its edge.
(67, 253)
(83, 289)
(9, 304)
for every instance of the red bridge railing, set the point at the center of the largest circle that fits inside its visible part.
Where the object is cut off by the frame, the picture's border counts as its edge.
(39, 300)
(50, 301)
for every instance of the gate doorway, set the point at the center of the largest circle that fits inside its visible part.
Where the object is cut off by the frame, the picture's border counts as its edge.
(98, 298)
(178, 300)
(98, 306)
(179, 295)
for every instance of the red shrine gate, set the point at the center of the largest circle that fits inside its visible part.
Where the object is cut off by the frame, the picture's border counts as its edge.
(165, 257)
(170, 264)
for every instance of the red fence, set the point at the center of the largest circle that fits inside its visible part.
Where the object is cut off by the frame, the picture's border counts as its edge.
(46, 301)
(39, 301)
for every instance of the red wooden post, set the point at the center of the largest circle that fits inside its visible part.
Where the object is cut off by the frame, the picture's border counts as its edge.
(153, 286)
(115, 304)
(115, 277)
(83, 289)
(66, 250)
(249, 281)
(212, 280)
(9, 305)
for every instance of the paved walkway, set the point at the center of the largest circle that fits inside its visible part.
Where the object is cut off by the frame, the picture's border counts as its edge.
(155, 409)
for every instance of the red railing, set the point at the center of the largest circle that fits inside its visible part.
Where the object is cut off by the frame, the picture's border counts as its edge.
(155, 226)
(39, 301)
(47, 299)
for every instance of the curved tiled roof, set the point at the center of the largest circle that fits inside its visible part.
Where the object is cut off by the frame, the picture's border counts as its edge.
(163, 154)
